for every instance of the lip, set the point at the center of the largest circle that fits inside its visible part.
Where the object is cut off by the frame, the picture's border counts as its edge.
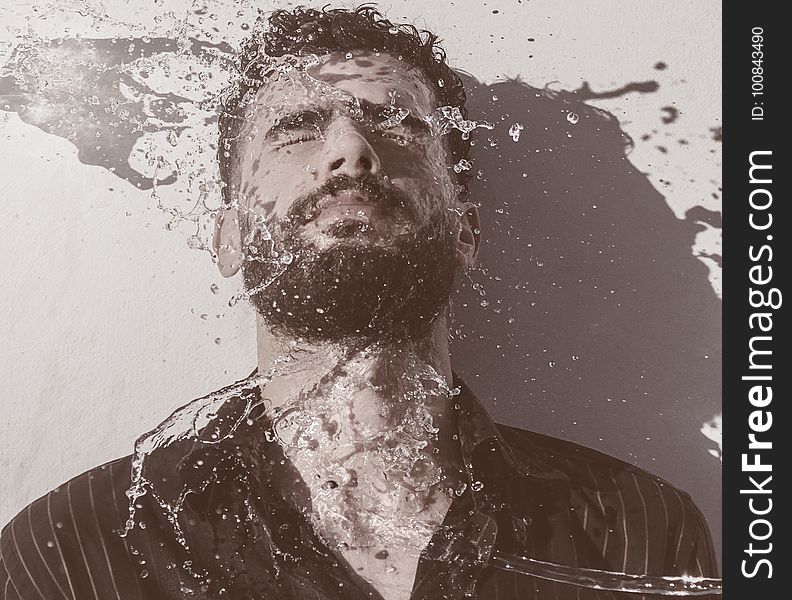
(345, 198)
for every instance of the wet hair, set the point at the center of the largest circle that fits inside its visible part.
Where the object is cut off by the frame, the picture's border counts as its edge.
(302, 31)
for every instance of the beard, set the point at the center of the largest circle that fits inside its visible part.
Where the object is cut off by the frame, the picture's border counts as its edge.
(355, 289)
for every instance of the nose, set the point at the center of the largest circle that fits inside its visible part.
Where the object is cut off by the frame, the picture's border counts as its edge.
(348, 152)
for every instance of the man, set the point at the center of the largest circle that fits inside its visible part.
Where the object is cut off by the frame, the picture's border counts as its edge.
(353, 464)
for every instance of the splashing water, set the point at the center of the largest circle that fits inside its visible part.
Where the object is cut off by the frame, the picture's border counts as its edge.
(515, 130)
(447, 118)
(462, 165)
(395, 114)
(608, 580)
(145, 108)
(378, 481)
(188, 423)
(713, 430)
(140, 107)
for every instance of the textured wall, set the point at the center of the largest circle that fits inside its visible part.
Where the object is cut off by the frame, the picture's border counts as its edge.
(600, 321)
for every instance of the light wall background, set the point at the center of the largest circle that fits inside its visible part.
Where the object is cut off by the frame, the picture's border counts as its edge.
(109, 321)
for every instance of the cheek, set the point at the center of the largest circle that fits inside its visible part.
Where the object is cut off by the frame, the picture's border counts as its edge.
(275, 180)
(418, 159)
(423, 168)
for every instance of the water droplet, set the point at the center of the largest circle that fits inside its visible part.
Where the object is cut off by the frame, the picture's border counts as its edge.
(143, 574)
(50, 544)
(514, 131)
(477, 486)
(214, 288)
(573, 117)
(348, 55)
(462, 165)
(217, 341)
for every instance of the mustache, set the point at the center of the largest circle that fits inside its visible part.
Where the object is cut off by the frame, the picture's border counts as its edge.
(378, 191)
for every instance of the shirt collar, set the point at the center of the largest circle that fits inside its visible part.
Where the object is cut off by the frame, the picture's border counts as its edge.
(229, 451)
(219, 448)
(478, 434)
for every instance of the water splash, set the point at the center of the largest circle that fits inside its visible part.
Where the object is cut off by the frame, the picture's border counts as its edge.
(190, 423)
(515, 130)
(378, 482)
(140, 107)
(713, 430)
(447, 118)
(684, 586)
(462, 165)
(158, 102)
(145, 107)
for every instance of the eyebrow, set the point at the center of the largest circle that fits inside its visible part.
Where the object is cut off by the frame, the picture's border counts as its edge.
(373, 109)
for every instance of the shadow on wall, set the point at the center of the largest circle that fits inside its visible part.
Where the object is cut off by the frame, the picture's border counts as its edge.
(589, 319)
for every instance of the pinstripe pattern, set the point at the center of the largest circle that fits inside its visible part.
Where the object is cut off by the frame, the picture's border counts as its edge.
(78, 538)
(545, 498)
(40, 555)
(101, 538)
(24, 566)
(57, 545)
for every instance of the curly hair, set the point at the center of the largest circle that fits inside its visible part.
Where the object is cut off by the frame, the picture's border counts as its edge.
(307, 30)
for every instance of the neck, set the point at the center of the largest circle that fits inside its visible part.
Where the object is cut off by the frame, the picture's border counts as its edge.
(372, 433)
(370, 389)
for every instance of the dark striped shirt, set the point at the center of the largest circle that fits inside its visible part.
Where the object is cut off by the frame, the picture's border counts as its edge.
(234, 536)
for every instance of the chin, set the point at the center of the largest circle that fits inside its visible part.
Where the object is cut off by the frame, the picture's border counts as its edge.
(358, 284)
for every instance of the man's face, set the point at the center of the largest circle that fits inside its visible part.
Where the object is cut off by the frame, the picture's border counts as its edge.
(343, 173)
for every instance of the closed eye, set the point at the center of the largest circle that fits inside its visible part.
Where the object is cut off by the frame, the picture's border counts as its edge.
(402, 127)
(296, 137)
(400, 134)
(296, 127)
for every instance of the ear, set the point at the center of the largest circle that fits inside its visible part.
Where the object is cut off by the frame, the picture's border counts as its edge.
(469, 236)
(227, 241)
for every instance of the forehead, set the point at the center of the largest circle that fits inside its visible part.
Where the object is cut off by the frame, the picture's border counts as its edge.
(379, 78)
